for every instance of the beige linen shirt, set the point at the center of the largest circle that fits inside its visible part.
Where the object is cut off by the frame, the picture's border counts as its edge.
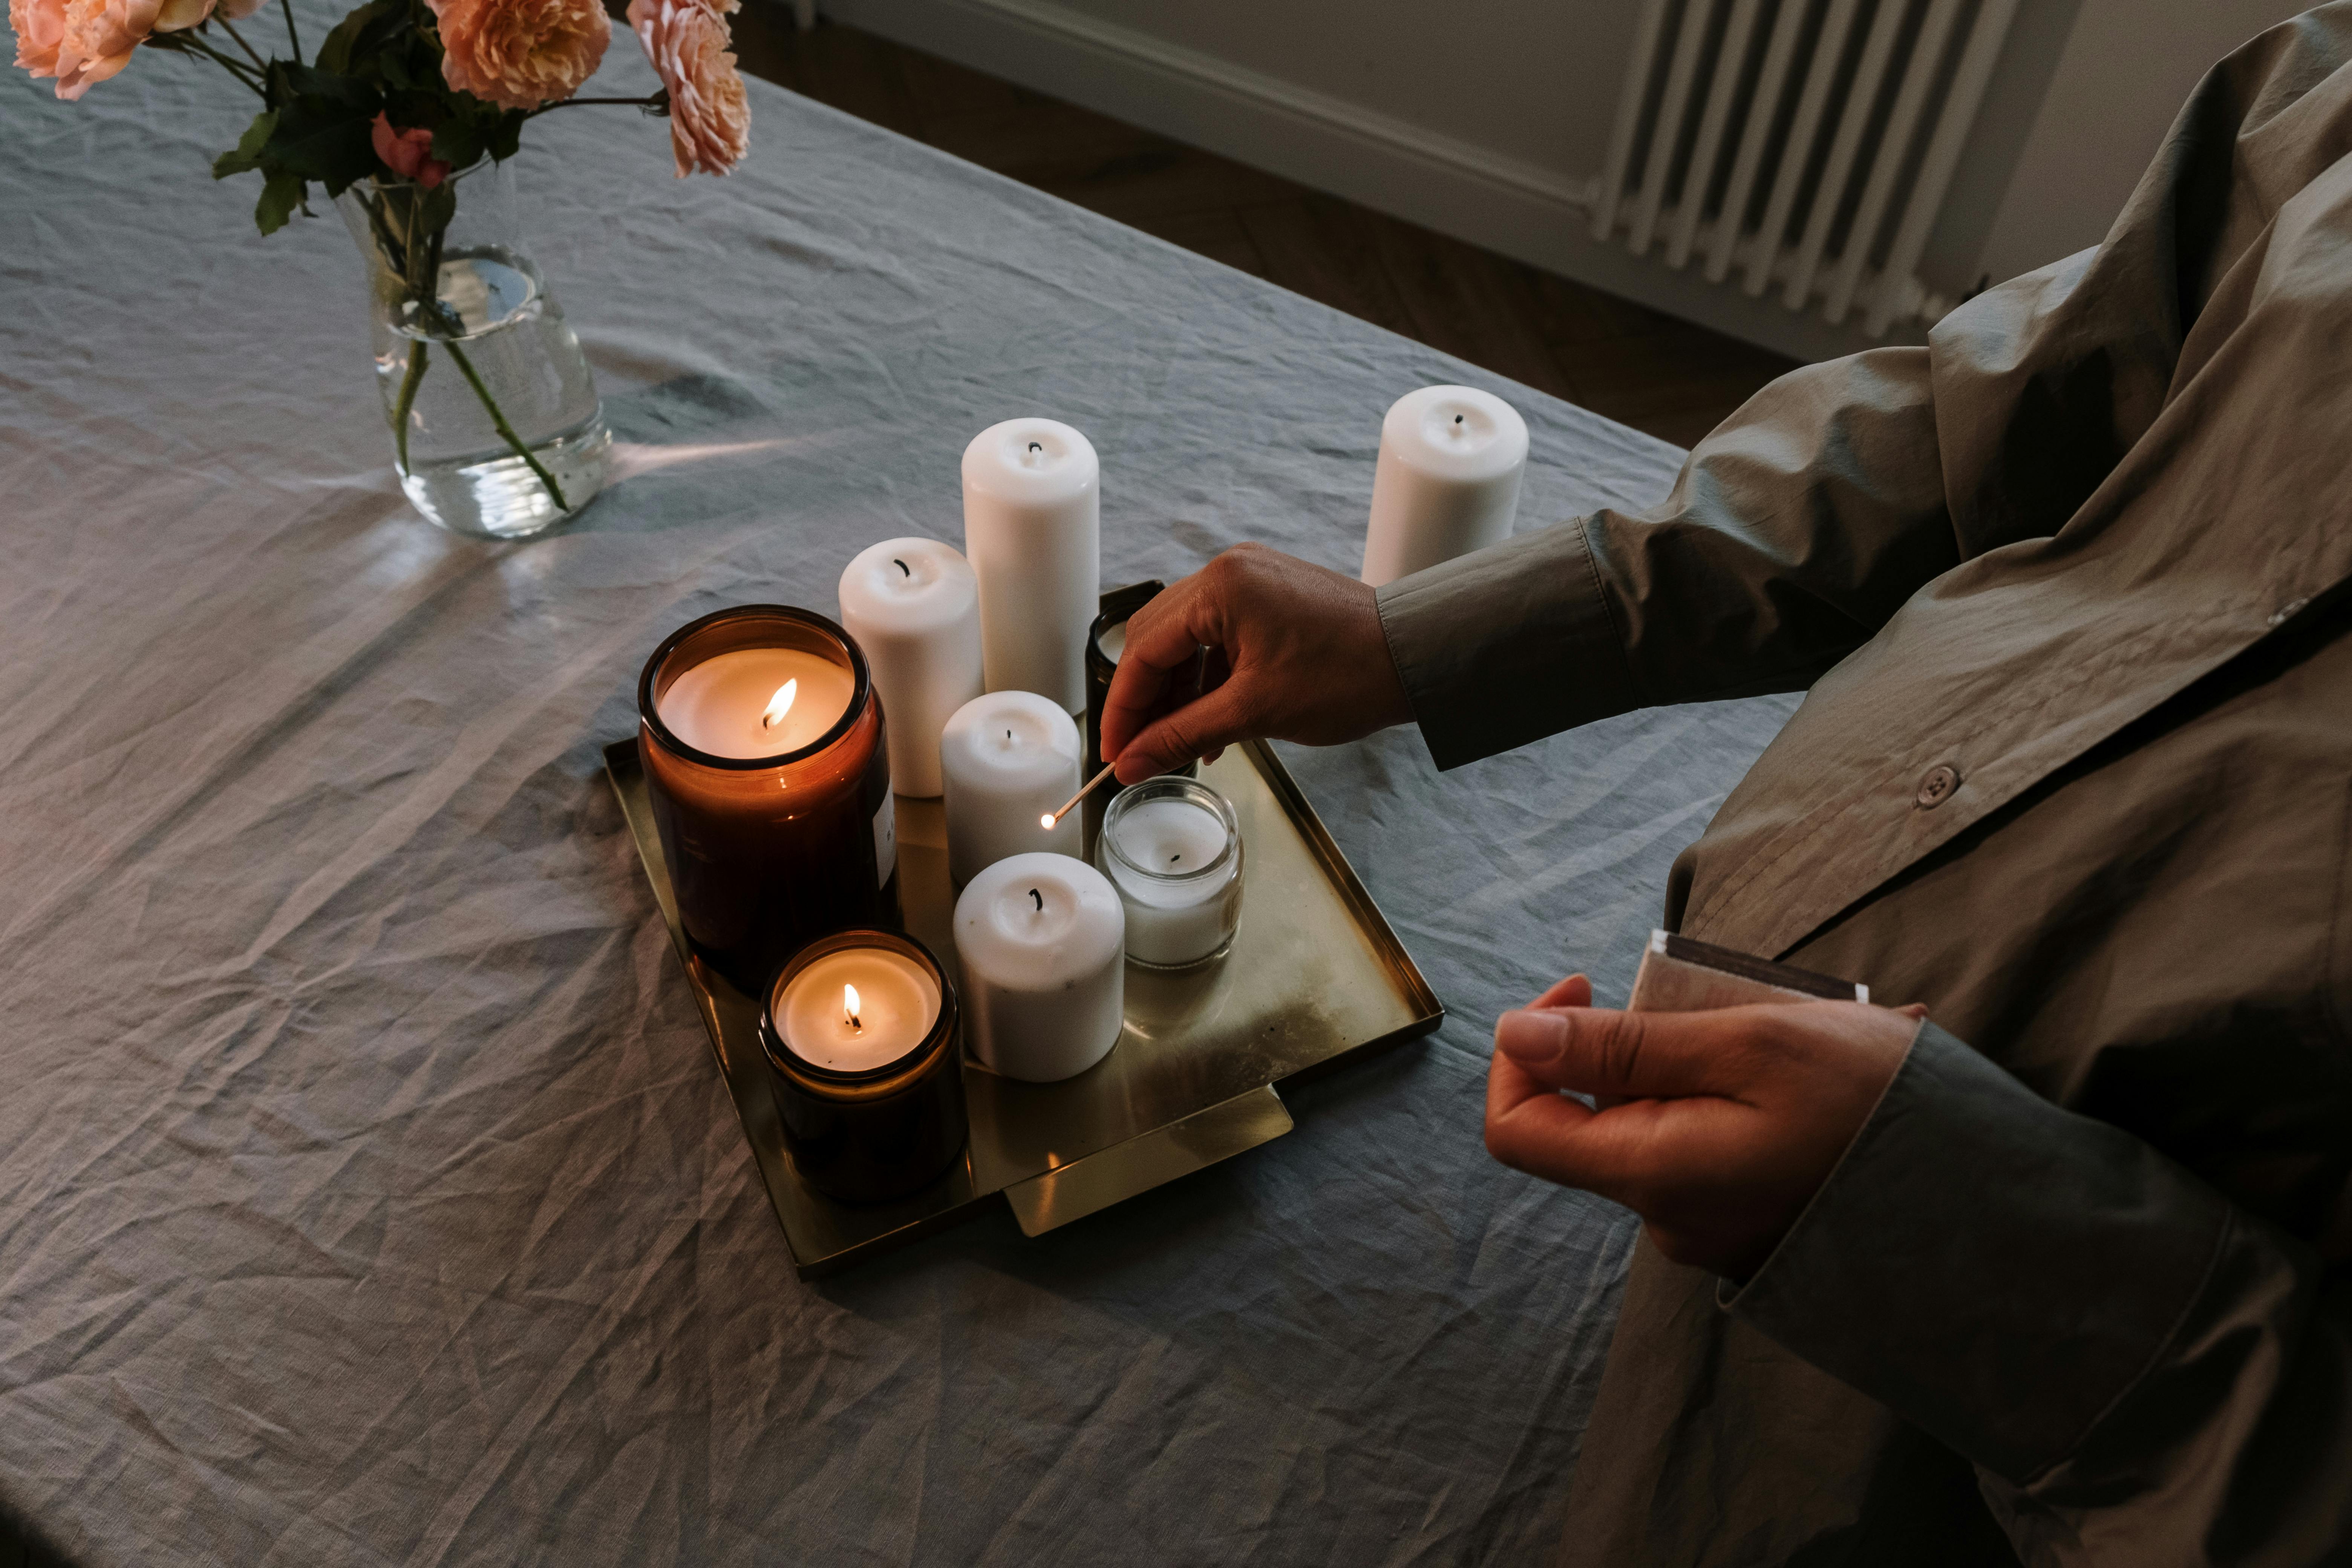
(2067, 590)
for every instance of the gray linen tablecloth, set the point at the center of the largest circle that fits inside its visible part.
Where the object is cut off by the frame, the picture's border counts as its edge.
(368, 1194)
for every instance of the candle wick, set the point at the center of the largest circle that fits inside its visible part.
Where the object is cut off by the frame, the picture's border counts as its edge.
(1040, 898)
(856, 1028)
(902, 567)
(1457, 419)
(1178, 855)
(1036, 447)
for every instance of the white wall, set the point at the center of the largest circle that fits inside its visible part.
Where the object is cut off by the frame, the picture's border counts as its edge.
(1489, 119)
(1533, 80)
(2126, 68)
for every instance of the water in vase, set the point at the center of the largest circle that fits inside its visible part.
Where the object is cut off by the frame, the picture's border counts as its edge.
(491, 347)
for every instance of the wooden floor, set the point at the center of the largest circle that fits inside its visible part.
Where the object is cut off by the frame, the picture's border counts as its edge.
(1652, 372)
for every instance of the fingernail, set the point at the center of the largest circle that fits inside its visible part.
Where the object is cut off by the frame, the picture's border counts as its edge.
(1533, 1038)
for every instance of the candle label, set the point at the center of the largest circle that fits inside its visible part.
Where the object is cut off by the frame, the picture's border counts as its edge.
(886, 839)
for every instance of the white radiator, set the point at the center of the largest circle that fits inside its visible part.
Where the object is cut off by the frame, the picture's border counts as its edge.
(1807, 144)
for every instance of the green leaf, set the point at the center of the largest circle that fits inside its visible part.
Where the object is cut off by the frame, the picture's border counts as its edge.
(342, 45)
(506, 141)
(280, 197)
(248, 154)
(296, 81)
(457, 143)
(323, 141)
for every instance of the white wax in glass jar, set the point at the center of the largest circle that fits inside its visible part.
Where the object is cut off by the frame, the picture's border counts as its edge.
(723, 705)
(1041, 940)
(1113, 641)
(914, 607)
(1447, 482)
(857, 1009)
(1008, 759)
(1172, 849)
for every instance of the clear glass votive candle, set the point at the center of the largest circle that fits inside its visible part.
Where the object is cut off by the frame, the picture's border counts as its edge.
(859, 1031)
(1173, 849)
(769, 774)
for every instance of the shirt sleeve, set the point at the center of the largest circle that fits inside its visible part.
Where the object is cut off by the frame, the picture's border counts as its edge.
(1795, 531)
(2141, 1372)
(1801, 525)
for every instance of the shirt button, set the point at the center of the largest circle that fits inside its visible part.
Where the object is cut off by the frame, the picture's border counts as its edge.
(1937, 788)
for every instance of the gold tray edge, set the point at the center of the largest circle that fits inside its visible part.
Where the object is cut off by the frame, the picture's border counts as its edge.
(1392, 948)
(622, 764)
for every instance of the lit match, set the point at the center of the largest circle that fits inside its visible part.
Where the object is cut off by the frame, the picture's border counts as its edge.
(1071, 805)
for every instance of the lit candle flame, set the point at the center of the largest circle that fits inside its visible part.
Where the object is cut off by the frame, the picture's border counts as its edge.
(849, 1006)
(779, 705)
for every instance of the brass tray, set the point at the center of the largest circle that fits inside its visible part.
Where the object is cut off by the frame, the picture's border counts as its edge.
(1315, 976)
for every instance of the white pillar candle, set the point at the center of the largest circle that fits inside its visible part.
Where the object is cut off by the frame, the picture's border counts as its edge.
(857, 1010)
(1448, 480)
(1008, 759)
(1032, 527)
(1044, 983)
(757, 701)
(914, 607)
(1173, 850)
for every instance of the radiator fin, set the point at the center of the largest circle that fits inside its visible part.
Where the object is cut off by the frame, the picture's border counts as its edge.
(1806, 144)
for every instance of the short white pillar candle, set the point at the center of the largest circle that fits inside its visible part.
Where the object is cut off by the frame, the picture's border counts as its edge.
(1032, 527)
(1448, 480)
(1044, 986)
(1009, 759)
(1172, 848)
(913, 605)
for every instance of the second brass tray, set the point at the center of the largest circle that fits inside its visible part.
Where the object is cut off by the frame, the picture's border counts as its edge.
(1315, 976)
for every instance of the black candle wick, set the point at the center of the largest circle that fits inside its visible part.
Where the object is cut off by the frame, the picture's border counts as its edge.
(1035, 447)
(854, 1026)
(902, 567)
(1040, 898)
(1457, 419)
(1178, 855)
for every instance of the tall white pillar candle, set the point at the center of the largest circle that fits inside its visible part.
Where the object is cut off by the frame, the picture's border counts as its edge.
(1032, 527)
(1008, 759)
(914, 607)
(1448, 480)
(1043, 944)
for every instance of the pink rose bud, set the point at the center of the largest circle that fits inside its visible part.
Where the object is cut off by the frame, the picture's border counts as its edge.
(408, 153)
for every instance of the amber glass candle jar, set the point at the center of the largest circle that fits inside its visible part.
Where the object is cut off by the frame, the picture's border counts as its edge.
(859, 1031)
(768, 850)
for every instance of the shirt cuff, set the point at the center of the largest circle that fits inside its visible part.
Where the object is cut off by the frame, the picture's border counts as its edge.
(1995, 1269)
(1507, 645)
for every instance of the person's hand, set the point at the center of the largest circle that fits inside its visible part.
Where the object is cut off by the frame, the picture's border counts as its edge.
(1297, 653)
(1718, 1127)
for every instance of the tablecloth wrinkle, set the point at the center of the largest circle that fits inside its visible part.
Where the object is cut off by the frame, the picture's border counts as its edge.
(368, 1194)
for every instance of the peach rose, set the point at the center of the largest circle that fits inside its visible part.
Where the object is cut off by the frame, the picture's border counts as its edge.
(710, 120)
(519, 54)
(82, 42)
(408, 153)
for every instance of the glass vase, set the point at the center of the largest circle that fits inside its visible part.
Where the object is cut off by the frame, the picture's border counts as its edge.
(497, 431)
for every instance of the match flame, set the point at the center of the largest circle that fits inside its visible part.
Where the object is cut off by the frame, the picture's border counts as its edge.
(849, 1005)
(1046, 821)
(780, 704)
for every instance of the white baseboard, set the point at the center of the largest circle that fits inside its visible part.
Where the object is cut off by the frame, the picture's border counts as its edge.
(1504, 204)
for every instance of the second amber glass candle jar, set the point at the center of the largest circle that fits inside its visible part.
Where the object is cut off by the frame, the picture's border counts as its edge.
(866, 1118)
(768, 852)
